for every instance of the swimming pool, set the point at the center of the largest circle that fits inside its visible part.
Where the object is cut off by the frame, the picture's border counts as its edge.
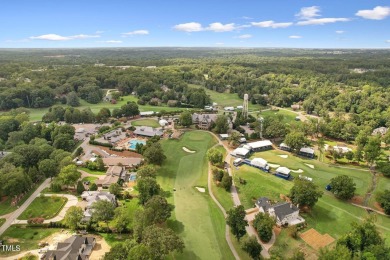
(133, 143)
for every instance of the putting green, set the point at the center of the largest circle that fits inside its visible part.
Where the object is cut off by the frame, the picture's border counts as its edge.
(196, 219)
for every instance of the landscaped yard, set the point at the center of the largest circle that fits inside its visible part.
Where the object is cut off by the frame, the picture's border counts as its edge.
(91, 179)
(44, 207)
(196, 218)
(146, 122)
(27, 237)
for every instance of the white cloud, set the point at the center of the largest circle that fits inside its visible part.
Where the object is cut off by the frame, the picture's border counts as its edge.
(388, 41)
(219, 27)
(245, 36)
(247, 18)
(111, 41)
(295, 37)
(378, 13)
(188, 27)
(308, 12)
(322, 21)
(271, 24)
(219, 43)
(339, 32)
(56, 37)
(137, 32)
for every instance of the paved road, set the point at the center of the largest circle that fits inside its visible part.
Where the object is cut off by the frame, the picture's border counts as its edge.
(72, 201)
(22, 208)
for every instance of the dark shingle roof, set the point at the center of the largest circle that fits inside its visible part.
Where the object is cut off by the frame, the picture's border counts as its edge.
(264, 203)
(284, 209)
(74, 248)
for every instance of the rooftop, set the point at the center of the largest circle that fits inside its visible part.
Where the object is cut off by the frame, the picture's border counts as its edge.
(148, 131)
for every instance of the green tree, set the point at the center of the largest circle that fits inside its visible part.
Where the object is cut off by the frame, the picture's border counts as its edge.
(295, 140)
(221, 124)
(147, 188)
(383, 198)
(236, 221)
(115, 189)
(305, 193)
(227, 181)
(121, 219)
(154, 154)
(343, 187)
(103, 115)
(372, 149)
(234, 138)
(80, 187)
(186, 118)
(130, 109)
(69, 175)
(93, 187)
(73, 217)
(147, 171)
(72, 99)
(264, 223)
(161, 241)
(215, 156)
(48, 167)
(339, 252)
(252, 247)
(158, 209)
(103, 210)
(140, 252)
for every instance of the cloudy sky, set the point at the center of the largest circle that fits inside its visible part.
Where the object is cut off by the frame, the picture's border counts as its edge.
(195, 23)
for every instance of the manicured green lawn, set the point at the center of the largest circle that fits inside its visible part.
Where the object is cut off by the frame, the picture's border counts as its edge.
(44, 207)
(91, 179)
(383, 183)
(196, 218)
(226, 99)
(288, 117)
(92, 171)
(113, 238)
(131, 206)
(146, 122)
(27, 237)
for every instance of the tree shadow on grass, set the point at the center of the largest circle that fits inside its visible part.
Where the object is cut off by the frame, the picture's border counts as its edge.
(175, 225)
(166, 194)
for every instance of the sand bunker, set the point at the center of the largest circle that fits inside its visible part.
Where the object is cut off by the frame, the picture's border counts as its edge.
(310, 165)
(188, 150)
(273, 165)
(283, 156)
(201, 189)
(297, 171)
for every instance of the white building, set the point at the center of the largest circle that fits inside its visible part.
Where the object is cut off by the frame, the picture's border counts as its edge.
(228, 108)
(241, 152)
(260, 145)
(259, 163)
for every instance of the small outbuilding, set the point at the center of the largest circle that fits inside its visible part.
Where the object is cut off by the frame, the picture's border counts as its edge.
(307, 152)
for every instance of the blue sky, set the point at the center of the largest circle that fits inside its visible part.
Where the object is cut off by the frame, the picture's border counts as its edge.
(195, 23)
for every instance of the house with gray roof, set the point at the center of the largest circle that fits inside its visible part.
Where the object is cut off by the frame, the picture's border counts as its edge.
(93, 196)
(285, 213)
(147, 131)
(73, 248)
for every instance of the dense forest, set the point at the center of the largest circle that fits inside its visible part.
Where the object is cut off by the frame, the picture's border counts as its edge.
(349, 88)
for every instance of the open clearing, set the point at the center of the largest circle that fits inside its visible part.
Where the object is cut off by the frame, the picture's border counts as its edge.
(146, 122)
(44, 207)
(196, 218)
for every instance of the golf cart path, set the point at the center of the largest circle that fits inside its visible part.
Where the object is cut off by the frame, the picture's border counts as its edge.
(71, 201)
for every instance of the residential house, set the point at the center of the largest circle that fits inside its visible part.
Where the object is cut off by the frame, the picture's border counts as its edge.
(284, 213)
(93, 196)
(127, 162)
(260, 145)
(203, 121)
(148, 131)
(73, 248)
(113, 175)
(307, 152)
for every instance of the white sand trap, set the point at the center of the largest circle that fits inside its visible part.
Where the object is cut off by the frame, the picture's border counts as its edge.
(188, 150)
(201, 189)
(283, 156)
(297, 171)
(273, 165)
(310, 165)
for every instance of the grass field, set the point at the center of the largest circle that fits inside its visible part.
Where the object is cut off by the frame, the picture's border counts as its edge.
(146, 122)
(226, 99)
(288, 117)
(92, 171)
(91, 179)
(196, 218)
(46, 207)
(27, 237)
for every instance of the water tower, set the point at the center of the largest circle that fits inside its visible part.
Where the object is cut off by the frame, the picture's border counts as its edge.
(245, 106)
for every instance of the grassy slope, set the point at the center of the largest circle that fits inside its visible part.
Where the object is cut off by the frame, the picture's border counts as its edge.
(196, 218)
(46, 207)
(288, 117)
(146, 122)
(27, 237)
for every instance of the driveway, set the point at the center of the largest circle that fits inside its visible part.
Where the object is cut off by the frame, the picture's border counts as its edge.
(72, 201)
